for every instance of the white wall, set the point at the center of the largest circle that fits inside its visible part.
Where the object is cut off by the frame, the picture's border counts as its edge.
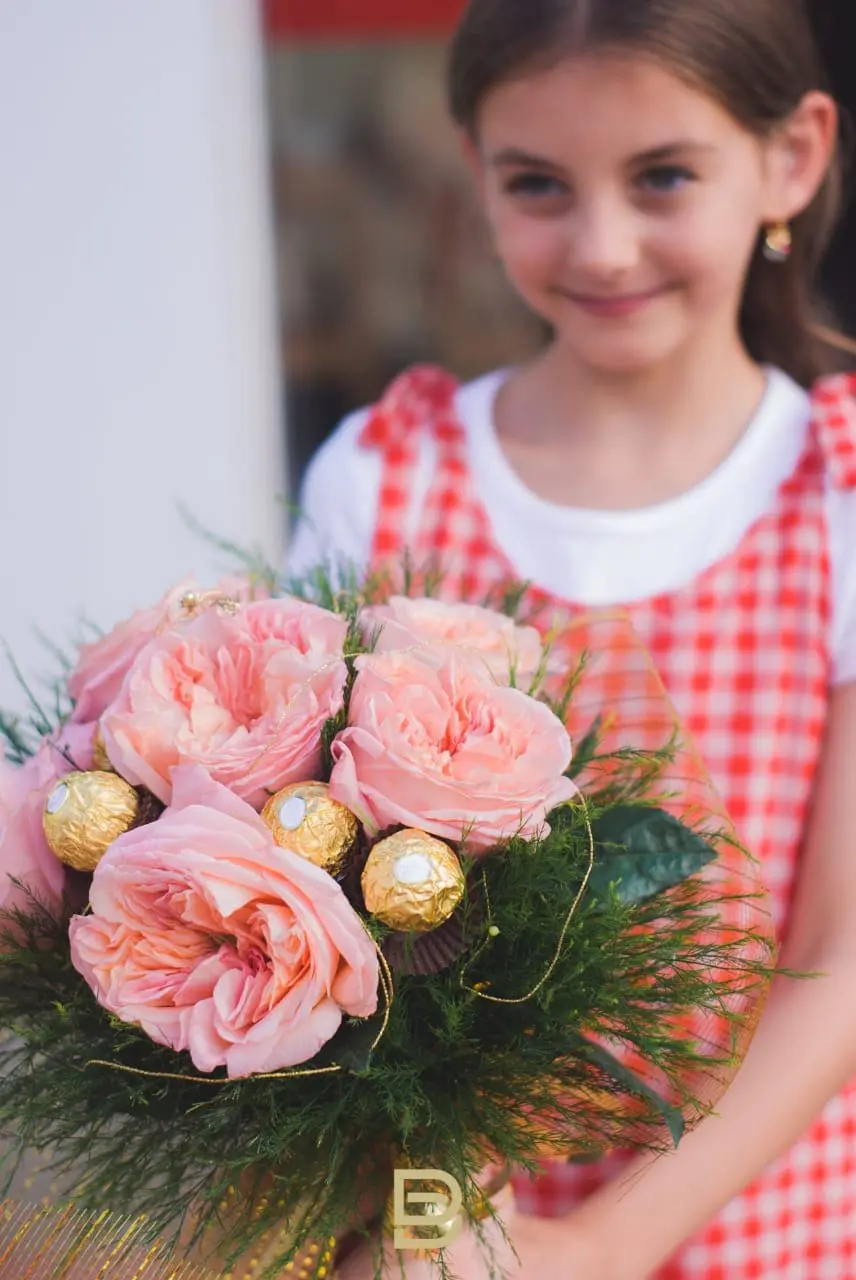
(138, 361)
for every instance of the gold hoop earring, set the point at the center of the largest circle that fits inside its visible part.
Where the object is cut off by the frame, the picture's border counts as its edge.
(778, 242)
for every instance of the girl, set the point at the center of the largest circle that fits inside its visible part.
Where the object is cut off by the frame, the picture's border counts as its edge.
(660, 178)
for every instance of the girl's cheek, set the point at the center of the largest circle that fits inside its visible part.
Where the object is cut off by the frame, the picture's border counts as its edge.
(679, 246)
(532, 246)
(714, 239)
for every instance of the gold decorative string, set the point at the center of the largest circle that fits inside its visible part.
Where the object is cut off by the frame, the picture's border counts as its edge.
(482, 995)
(386, 985)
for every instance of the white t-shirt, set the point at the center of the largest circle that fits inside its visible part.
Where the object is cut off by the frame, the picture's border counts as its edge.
(590, 556)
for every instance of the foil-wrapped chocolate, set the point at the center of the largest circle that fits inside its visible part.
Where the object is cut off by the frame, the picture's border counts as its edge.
(303, 818)
(412, 882)
(84, 813)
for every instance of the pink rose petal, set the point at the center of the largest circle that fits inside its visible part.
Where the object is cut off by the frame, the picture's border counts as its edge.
(245, 696)
(503, 647)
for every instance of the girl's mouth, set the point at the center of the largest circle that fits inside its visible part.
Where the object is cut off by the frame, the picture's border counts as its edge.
(614, 306)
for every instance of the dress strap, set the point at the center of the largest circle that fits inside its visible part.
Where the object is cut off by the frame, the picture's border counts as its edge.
(834, 403)
(421, 397)
(420, 400)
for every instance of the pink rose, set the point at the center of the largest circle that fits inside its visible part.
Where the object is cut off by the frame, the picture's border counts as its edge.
(214, 940)
(246, 696)
(504, 648)
(24, 851)
(103, 665)
(434, 743)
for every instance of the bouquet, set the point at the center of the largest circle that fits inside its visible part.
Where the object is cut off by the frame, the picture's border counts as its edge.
(300, 890)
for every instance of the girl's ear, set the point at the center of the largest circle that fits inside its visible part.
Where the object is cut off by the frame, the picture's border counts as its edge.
(799, 155)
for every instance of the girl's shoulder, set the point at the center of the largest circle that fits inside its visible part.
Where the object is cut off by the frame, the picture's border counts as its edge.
(351, 454)
(339, 493)
(336, 501)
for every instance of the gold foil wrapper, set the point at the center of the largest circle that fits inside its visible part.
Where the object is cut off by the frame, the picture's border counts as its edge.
(412, 882)
(304, 819)
(84, 813)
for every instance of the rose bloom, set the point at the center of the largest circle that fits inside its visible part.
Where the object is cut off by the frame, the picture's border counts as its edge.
(215, 941)
(24, 852)
(244, 695)
(102, 666)
(506, 649)
(433, 743)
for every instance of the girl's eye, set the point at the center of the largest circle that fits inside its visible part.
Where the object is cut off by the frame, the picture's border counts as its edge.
(665, 179)
(535, 185)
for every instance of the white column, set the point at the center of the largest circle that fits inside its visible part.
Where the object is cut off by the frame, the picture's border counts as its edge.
(138, 347)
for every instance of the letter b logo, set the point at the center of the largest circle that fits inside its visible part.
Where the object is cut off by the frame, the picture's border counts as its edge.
(441, 1221)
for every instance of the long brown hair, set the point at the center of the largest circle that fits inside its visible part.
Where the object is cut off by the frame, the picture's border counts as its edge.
(758, 58)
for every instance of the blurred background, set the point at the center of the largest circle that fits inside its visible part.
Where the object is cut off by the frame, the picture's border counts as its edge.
(225, 224)
(381, 251)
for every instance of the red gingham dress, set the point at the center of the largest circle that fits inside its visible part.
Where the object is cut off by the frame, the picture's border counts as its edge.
(743, 650)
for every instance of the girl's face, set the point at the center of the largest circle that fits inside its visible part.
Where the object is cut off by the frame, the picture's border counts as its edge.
(625, 205)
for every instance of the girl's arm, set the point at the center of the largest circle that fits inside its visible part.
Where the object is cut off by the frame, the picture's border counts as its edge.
(803, 1053)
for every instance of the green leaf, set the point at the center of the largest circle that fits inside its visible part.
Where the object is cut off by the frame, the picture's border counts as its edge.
(643, 851)
(629, 1081)
(351, 1048)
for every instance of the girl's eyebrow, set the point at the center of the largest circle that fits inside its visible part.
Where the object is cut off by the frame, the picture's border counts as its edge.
(515, 156)
(670, 149)
(527, 159)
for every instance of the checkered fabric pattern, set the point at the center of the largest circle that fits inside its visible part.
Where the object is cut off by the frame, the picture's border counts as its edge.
(743, 654)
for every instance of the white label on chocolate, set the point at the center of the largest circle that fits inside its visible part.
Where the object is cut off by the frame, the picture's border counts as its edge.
(413, 868)
(292, 813)
(57, 798)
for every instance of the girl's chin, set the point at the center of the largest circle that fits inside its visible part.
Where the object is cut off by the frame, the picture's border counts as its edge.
(621, 346)
(620, 357)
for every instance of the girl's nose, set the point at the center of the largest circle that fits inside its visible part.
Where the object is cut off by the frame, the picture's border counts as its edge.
(604, 240)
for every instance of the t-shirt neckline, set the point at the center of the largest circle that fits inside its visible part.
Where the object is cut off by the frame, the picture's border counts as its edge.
(476, 404)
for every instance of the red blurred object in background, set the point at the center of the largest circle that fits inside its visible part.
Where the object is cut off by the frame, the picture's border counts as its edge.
(313, 19)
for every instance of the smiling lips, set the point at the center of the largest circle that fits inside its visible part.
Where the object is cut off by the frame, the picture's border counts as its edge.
(613, 306)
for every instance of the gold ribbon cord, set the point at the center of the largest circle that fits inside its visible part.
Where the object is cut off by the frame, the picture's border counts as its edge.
(302, 1073)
